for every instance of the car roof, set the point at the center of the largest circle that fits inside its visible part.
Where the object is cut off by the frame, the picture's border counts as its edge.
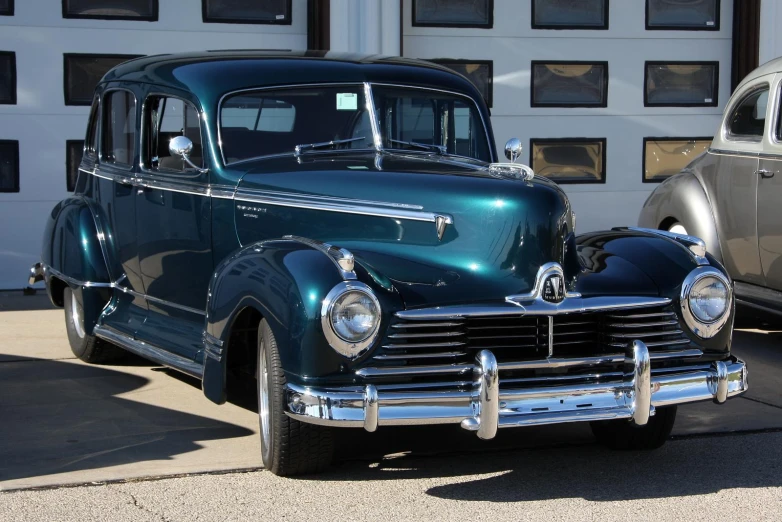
(770, 67)
(210, 74)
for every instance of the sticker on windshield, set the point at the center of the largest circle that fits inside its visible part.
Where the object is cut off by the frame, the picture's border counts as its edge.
(347, 101)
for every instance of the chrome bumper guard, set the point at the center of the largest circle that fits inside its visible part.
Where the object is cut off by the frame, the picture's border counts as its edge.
(36, 274)
(486, 407)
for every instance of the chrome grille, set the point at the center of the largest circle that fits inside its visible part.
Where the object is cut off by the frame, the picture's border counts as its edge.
(598, 336)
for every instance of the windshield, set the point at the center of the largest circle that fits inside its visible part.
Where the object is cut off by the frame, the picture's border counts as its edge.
(301, 120)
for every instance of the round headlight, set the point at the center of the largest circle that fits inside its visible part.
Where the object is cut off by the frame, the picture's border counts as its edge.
(706, 299)
(350, 318)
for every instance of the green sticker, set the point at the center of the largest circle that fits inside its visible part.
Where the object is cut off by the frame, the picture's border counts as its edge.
(347, 101)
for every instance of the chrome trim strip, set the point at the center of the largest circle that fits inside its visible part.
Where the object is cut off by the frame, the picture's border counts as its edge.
(416, 370)
(342, 258)
(75, 282)
(568, 306)
(370, 105)
(405, 356)
(149, 351)
(694, 245)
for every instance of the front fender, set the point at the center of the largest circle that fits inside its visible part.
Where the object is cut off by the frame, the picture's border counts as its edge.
(630, 262)
(286, 282)
(682, 198)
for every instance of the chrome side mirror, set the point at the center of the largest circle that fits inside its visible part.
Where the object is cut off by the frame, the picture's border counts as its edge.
(513, 149)
(182, 146)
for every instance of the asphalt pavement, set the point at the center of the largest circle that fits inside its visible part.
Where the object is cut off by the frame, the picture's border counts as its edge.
(134, 441)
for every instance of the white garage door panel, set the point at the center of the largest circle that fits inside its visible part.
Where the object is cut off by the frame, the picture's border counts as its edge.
(626, 20)
(513, 56)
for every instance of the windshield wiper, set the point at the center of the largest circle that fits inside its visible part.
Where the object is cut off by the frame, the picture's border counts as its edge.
(439, 149)
(298, 149)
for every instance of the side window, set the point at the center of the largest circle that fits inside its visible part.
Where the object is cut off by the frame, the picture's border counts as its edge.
(164, 119)
(119, 127)
(91, 140)
(749, 116)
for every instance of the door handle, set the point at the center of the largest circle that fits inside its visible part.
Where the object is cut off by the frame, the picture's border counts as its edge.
(766, 173)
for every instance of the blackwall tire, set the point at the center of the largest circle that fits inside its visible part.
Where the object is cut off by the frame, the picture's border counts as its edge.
(288, 447)
(87, 348)
(622, 435)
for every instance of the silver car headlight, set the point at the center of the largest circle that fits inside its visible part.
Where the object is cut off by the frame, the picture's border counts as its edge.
(706, 299)
(350, 318)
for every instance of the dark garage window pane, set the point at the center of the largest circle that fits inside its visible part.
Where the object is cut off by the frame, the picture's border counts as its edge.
(247, 11)
(569, 84)
(689, 15)
(664, 157)
(683, 84)
(6, 7)
(7, 78)
(569, 160)
(111, 9)
(567, 14)
(84, 71)
(456, 13)
(479, 72)
(73, 153)
(9, 166)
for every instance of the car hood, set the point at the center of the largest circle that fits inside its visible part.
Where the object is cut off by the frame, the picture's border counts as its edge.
(501, 230)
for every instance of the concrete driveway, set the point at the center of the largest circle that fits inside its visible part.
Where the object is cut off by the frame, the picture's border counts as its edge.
(65, 422)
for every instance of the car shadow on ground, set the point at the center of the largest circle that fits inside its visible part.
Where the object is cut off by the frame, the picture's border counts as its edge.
(72, 419)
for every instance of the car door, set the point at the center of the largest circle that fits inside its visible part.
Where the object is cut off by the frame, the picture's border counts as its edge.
(173, 217)
(769, 178)
(732, 185)
(114, 193)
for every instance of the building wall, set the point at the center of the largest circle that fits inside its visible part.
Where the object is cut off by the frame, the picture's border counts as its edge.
(512, 45)
(41, 121)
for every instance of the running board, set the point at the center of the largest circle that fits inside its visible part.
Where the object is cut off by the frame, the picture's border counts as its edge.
(148, 351)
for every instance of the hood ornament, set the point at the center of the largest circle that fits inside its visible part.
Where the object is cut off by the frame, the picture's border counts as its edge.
(549, 287)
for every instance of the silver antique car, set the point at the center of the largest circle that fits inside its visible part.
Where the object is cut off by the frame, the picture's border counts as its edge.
(730, 196)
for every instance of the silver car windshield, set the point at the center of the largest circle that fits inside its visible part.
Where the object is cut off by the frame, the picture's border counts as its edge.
(313, 119)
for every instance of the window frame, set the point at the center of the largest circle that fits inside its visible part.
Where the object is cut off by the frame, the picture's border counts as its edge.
(715, 27)
(15, 154)
(152, 18)
(94, 155)
(665, 138)
(69, 101)
(464, 61)
(488, 25)
(205, 18)
(603, 27)
(68, 156)
(156, 171)
(716, 87)
(102, 135)
(13, 80)
(741, 138)
(603, 103)
(9, 11)
(602, 141)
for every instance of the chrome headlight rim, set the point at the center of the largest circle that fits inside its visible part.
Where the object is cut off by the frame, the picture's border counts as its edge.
(345, 348)
(704, 330)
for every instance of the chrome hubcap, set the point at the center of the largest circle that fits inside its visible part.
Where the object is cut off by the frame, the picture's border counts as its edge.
(77, 324)
(263, 396)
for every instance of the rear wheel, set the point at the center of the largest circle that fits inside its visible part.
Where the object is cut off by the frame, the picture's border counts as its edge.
(288, 447)
(86, 347)
(622, 435)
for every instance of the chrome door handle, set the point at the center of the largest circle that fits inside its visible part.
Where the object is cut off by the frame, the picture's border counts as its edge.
(766, 173)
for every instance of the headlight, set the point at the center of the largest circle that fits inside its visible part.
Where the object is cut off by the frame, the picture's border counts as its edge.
(706, 299)
(350, 317)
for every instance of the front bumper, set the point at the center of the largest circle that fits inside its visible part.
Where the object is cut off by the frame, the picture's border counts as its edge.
(486, 407)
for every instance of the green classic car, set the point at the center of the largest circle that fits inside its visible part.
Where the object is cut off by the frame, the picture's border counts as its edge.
(338, 229)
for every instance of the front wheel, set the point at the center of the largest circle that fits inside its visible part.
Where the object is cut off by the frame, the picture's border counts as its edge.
(622, 435)
(288, 447)
(86, 347)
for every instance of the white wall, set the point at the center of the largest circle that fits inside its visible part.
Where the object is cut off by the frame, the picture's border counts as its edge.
(42, 123)
(770, 37)
(512, 44)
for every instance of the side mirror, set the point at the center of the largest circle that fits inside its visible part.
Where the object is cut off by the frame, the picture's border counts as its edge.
(182, 146)
(513, 149)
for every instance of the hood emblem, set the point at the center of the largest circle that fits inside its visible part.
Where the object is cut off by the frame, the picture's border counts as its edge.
(553, 289)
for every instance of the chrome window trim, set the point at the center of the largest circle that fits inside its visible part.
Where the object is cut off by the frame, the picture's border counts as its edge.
(347, 349)
(776, 138)
(725, 128)
(100, 157)
(173, 173)
(701, 329)
(370, 105)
